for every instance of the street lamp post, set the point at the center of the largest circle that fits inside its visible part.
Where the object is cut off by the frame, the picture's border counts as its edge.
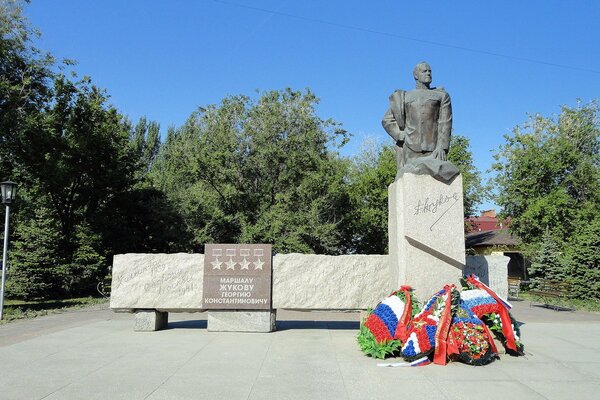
(9, 192)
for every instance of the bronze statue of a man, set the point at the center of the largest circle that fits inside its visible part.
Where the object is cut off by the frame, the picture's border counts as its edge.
(420, 122)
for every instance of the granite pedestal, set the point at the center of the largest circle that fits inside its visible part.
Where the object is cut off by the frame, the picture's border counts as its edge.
(241, 321)
(150, 320)
(426, 233)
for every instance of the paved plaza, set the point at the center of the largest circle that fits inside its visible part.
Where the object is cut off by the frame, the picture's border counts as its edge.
(95, 354)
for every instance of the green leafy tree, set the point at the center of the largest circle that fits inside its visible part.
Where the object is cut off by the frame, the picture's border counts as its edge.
(80, 155)
(34, 258)
(372, 171)
(582, 260)
(548, 180)
(366, 225)
(548, 173)
(41, 269)
(87, 264)
(82, 162)
(145, 138)
(78, 161)
(473, 191)
(546, 263)
(143, 220)
(25, 80)
(257, 171)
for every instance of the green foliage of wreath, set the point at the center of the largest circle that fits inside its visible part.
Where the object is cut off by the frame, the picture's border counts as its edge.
(390, 348)
(371, 348)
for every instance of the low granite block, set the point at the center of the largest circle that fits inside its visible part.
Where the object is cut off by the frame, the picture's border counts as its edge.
(241, 321)
(157, 281)
(150, 320)
(491, 270)
(320, 282)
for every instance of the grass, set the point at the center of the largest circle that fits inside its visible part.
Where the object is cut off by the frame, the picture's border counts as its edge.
(19, 309)
(592, 305)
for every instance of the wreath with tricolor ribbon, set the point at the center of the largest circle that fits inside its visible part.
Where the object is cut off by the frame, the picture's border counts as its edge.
(452, 325)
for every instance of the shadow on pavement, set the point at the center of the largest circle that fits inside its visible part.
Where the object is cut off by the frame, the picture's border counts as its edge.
(555, 308)
(333, 325)
(190, 324)
(281, 325)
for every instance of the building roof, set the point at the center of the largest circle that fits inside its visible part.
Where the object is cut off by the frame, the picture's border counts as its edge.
(481, 224)
(487, 221)
(498, 237)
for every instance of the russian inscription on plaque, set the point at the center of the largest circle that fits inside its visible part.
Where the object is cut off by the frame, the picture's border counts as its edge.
(237, 276)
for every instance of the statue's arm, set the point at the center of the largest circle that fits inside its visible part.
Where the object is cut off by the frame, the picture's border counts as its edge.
(391, 127)
(445, 123)
(393, 120)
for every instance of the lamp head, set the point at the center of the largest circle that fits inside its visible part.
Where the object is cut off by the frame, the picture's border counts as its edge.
(9, 192)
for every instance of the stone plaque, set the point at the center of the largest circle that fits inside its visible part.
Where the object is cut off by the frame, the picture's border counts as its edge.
(237, 277)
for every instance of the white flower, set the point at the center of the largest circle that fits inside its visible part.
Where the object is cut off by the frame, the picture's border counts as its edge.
(473, 294)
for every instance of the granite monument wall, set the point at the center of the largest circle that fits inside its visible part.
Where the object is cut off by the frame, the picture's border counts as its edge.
(174, 282)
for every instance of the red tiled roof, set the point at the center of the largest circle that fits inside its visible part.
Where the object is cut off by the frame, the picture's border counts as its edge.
(497, 237)
(486, 224)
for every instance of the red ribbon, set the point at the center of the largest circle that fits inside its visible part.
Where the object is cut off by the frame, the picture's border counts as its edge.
(402, 331)
(507, 329)
(452, 345)
(441, 334)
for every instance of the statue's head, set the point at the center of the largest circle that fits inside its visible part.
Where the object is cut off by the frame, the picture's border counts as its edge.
(422, 73)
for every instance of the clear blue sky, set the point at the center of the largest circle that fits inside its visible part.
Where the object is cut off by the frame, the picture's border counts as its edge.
(498, 60)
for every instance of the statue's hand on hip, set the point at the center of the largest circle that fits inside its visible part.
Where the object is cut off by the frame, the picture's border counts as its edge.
(439, 154)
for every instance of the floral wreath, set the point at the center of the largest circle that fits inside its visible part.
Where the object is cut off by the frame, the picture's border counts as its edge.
(452, 325)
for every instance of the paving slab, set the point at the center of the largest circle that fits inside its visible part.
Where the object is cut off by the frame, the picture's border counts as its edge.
(95, 354)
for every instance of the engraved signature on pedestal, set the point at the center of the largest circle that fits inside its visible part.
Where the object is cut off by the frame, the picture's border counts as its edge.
(433, 206)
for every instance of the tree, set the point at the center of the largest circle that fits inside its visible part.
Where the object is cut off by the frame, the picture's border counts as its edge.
(142, 220)
(86, 266)
(546, 263)
(372, 171)
(461, 156)
(146, 141)
(34, 258)
(25, 79)
(77, 156)
(582, 259)
(548, 182)
(81, 162)
(81, 168)
(257, 170)
(548, 173)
